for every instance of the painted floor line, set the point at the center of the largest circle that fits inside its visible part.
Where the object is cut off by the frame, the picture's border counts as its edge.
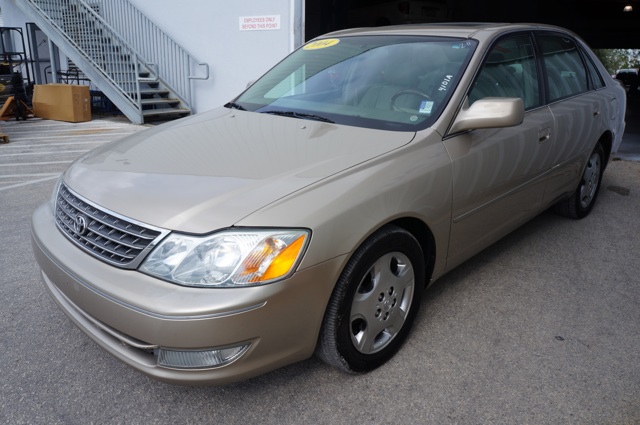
(6, 176)
(40, 153)
(22, 137)
(91, 142)
(27, 164)
(28, 183)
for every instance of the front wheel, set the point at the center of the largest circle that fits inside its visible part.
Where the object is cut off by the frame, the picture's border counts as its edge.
(580, 203)
(374, 302)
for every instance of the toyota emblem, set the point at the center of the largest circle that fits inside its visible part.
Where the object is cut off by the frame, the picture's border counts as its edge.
(80, 225)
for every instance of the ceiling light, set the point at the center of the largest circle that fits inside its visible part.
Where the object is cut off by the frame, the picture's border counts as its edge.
(628, 8)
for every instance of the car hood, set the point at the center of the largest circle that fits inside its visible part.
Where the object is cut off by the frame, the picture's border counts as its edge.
(211, 170)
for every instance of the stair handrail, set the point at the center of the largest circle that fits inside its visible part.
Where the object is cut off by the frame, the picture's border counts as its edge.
(132, 95)
(175, 64)
(124, 22)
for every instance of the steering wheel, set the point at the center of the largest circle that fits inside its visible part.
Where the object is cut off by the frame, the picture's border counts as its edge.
(407, 92)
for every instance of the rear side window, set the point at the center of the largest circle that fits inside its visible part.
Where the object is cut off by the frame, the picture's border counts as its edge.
(596, 78)
(563, 66)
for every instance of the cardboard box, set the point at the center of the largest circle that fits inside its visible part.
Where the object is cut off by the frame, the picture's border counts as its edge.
(62, 102)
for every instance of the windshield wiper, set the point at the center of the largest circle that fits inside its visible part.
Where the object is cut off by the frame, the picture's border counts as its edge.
(234, 105)
(300, 115)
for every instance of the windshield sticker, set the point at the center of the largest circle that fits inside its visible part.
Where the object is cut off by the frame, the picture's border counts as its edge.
(426, 106)
(445, 83)
(321, 44)
(463, 45)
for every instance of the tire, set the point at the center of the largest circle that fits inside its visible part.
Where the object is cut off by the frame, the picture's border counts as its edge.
(374, 302)
(580, 203)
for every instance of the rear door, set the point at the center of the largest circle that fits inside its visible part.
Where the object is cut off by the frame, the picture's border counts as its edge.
(578, 107)
(498, 174)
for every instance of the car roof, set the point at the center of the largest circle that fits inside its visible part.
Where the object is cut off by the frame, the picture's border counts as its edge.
(478, 30)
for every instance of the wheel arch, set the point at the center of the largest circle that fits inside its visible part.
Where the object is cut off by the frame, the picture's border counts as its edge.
(606, 140)
(425, 238)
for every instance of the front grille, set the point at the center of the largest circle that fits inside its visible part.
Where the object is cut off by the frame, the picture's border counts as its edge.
(105, 235)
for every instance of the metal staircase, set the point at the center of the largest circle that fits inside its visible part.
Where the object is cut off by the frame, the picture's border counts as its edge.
(136, 65)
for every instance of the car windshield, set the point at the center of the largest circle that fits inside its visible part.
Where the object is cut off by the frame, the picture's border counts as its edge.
(397, 83)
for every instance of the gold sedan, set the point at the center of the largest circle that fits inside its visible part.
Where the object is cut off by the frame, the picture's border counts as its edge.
(308, 214)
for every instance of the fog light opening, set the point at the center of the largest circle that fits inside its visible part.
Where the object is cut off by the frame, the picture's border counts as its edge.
(199, 359)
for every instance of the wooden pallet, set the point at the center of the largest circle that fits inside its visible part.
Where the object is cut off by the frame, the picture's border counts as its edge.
(8, 110)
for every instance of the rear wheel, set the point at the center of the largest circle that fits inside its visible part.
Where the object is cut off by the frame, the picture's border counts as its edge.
(374, 302)
(580, 203)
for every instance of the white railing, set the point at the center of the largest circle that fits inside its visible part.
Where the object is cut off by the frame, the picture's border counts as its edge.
(176, 67)
(119, 40)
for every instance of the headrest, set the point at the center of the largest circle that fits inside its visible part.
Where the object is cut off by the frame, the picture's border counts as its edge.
(496, 58)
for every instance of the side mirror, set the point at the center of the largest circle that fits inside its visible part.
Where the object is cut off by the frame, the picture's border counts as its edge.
(490, 112)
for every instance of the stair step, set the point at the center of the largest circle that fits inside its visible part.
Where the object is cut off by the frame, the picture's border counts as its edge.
(124, 69)
(147, 92)
(131, 79)
(164, 112)
(158, 102)
(117, 64)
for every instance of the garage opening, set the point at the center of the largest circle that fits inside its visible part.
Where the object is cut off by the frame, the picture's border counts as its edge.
(602, 23)
(323, 16)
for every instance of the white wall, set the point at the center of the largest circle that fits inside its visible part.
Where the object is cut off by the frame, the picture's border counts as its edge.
(11, 15)
(210, 31)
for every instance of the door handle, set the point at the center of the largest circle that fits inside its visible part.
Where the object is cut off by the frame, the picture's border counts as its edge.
(544, 135)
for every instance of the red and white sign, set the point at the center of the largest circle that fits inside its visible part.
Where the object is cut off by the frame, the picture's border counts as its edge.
(260, 23)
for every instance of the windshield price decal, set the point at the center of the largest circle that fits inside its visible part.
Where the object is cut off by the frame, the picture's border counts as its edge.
(321, 44)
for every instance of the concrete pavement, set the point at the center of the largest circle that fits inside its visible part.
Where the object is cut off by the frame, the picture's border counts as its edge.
(541, 328)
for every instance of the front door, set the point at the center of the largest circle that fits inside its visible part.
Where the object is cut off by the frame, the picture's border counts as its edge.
(499, 174)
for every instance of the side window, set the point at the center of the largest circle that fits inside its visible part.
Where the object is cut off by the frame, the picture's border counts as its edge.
(596, 78)
(563, 66)
(509, 71)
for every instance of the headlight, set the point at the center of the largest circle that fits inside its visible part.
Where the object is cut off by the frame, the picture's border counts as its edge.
(230, 258)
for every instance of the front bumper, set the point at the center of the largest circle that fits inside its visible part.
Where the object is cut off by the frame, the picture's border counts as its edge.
(131, 314)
